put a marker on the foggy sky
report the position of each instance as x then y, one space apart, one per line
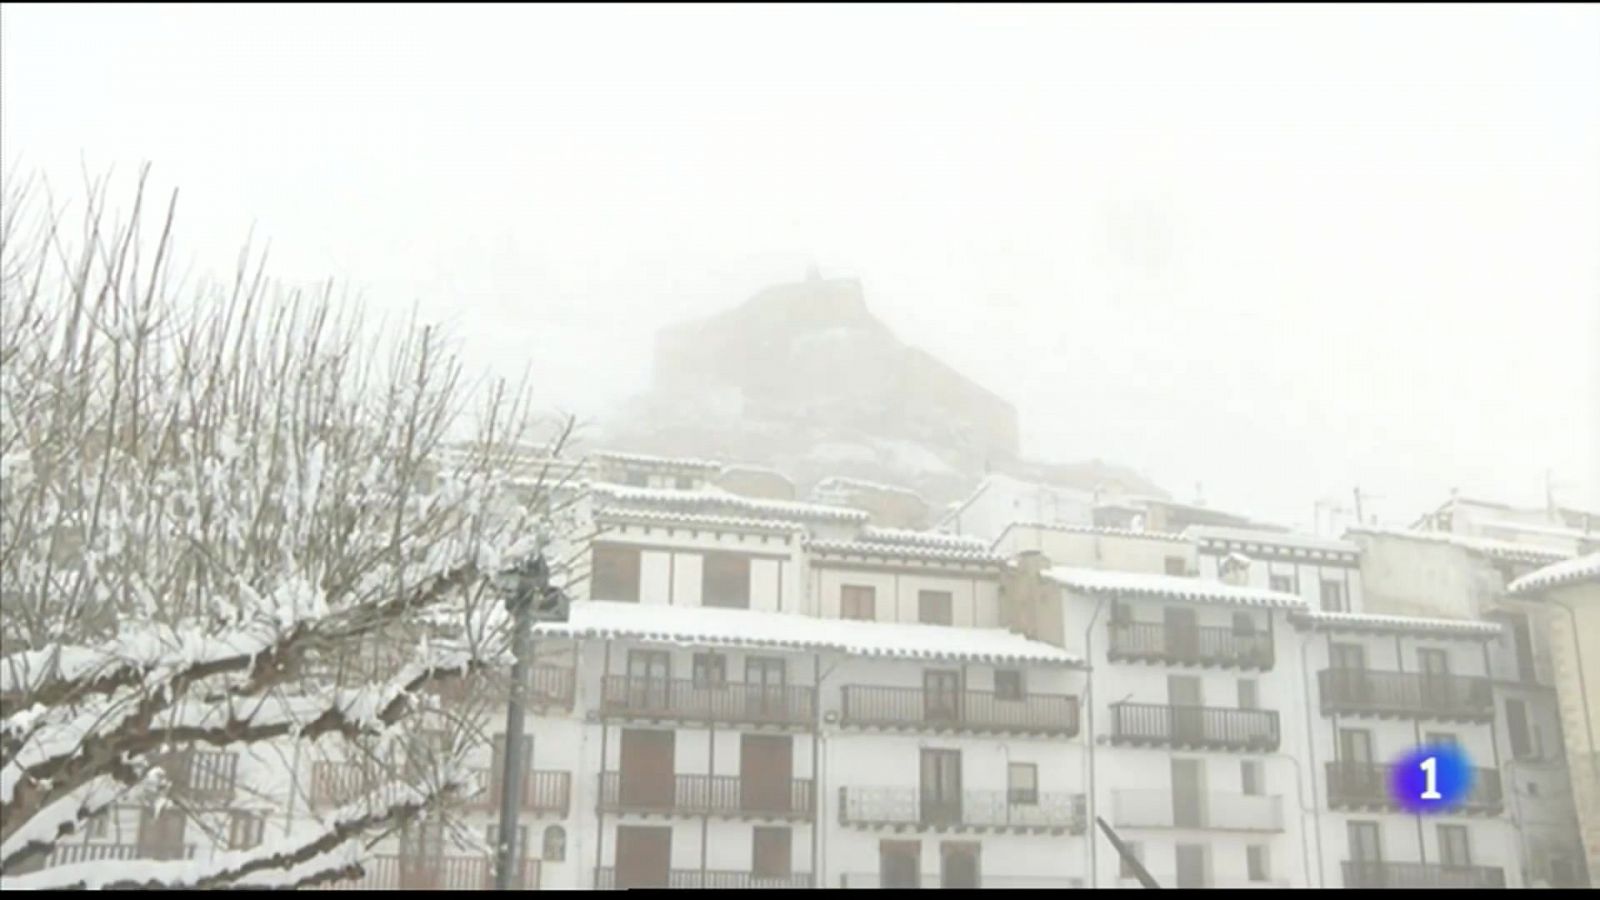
1277 253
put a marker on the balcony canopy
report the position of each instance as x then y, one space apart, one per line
701 626
1371 623
1174 587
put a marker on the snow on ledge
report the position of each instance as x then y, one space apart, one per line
1342 621
701 626
1572 571
719 501
1097 581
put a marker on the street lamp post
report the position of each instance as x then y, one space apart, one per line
529 597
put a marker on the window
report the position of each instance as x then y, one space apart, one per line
684 483
99 825
1022 780
1243 623
638 479
555 844
1454 849
1250 777
1008 684
1523 639
858 602
1256 861
1517 727
771 852
1442 737
1333 596
727 581
244 830
1135 850
615 573
1282 583
1347 656
710 670
933 608
1176 565
1249 697
900 864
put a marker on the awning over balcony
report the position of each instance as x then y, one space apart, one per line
701 626
1175 587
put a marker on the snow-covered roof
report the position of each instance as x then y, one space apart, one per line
1097 581
660 462
1344 621
1167 536
920 552
1229 535
716 500
700 521
1571 571
922 538
702 626
840 481
1485 546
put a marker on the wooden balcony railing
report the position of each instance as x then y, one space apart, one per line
544 791
1364 874
726 796
202 777
1149 808
975 711
605 879
977 811
434 873
64 854
875 880
1366 786
334 784
1200 646
683 700
1204 727
1406 694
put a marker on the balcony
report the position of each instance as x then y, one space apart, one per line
1194 727
683 700
978 712
203 778
1361 692
437 873
1211 812
65 854
337 783
1365 786
720 796
605 879
544 792
909 809
874 880
1362 874
1207 646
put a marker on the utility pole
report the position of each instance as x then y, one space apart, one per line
528 597
1360 519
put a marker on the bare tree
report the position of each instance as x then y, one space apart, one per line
245 522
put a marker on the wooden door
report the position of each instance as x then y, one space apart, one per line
766 772
900 864
1188 797
958 865
644 856
647 768
941 787
772 852
1435 677
1191 860
649 680
1366 854
764 678
941 695
1188 717
1183 633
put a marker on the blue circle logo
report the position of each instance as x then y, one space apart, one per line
1433 778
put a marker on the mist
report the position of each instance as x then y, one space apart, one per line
1260 256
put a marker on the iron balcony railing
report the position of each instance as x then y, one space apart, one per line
1366 785
389 872
1409 694
1203 727
1370 874
1199 646
727 796
684 700
605 879
884 807
546 791
976 711
1210 811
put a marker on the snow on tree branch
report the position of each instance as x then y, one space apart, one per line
233 515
